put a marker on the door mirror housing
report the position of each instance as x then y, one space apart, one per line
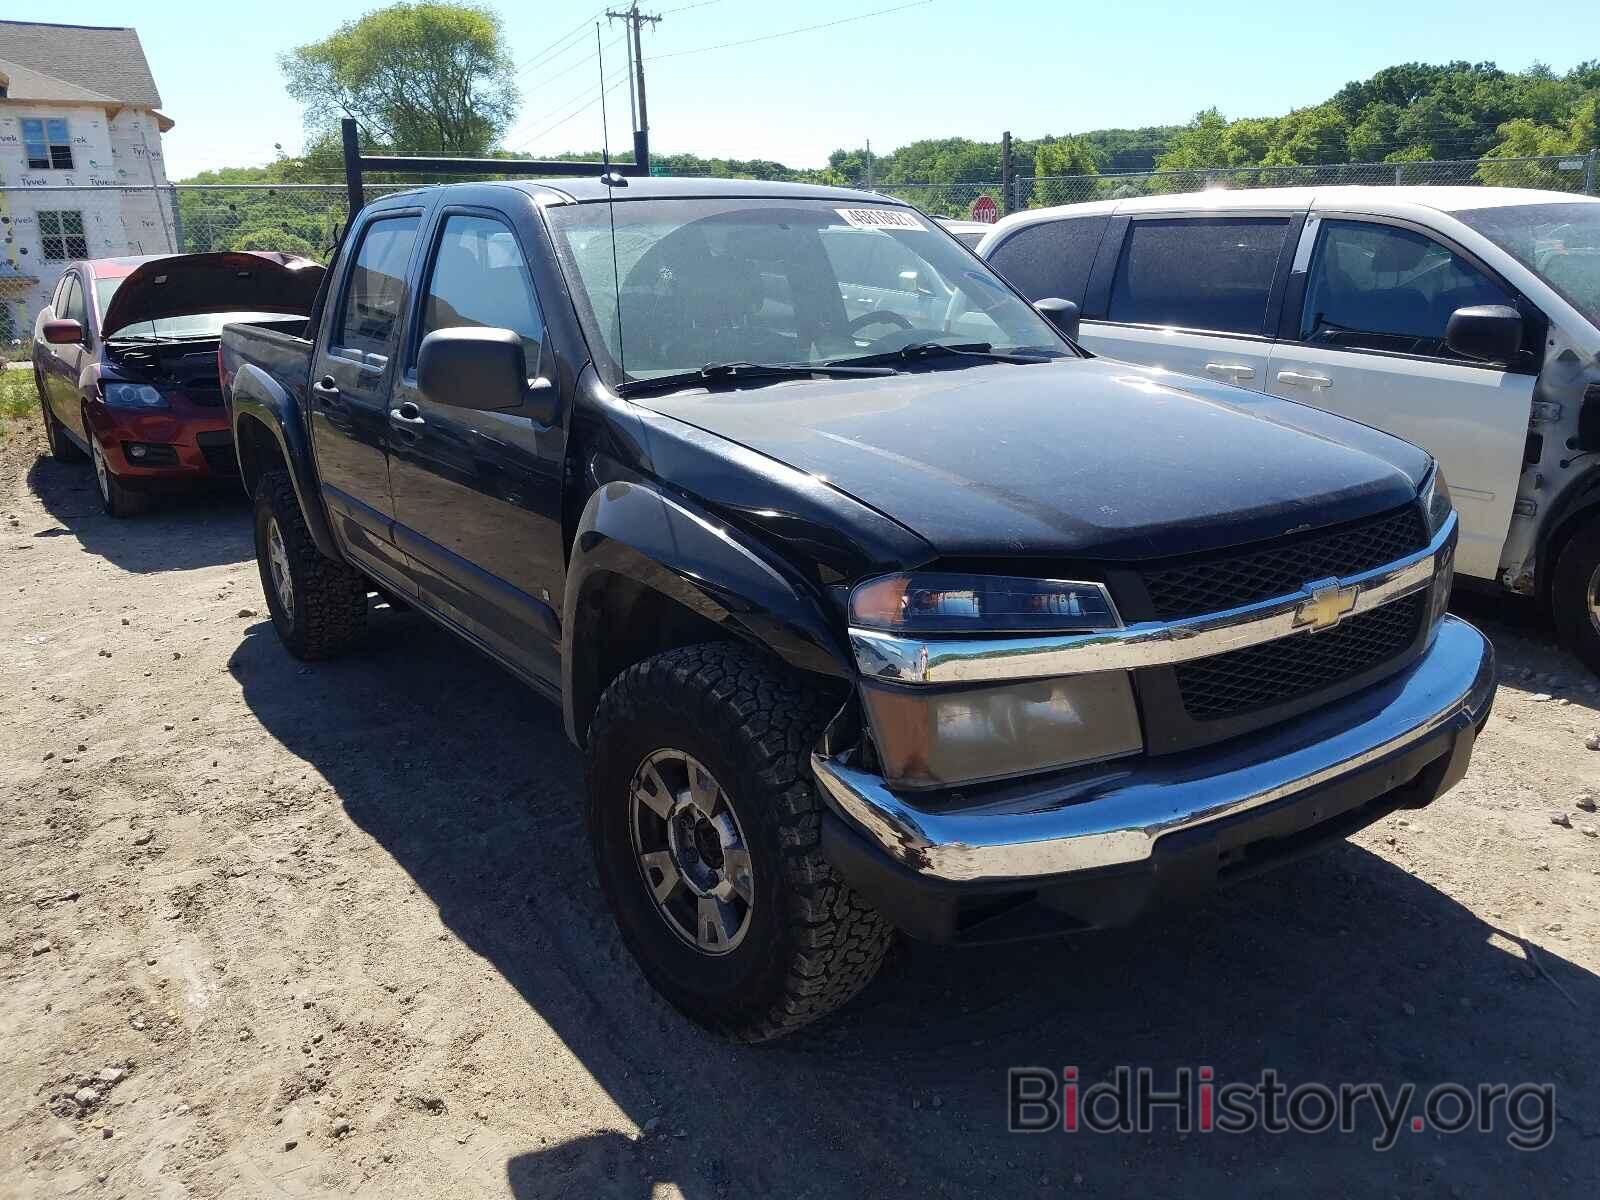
62 332
1063 314
481 368
1486 332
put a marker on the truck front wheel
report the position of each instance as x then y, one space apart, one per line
1575 595
318 606
706 828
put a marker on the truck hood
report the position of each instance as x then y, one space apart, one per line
231 281
1085 458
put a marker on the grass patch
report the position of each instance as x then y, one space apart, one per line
19 402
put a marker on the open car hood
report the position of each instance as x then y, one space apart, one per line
232 281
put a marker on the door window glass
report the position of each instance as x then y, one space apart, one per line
72 304
1380 287
1051 259
376 291
479 278
1212 273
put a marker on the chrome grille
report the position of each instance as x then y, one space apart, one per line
1258 677
1219 582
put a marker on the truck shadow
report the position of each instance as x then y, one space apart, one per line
206 527
1343 968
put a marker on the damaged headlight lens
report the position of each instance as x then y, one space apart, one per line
132 395
939 602
1436 503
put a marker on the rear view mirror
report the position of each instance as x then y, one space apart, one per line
1486 332
1063 314
62 332
475 367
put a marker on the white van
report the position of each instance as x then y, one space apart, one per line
1464 319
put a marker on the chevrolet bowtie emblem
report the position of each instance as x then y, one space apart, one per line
1328 604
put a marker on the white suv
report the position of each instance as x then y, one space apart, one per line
1464 319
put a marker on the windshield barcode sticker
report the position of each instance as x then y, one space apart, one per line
880 218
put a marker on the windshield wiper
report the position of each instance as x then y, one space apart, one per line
733 372
917 351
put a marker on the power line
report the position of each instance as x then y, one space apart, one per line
561 44
768 37
609 86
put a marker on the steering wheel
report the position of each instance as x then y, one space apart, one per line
878 316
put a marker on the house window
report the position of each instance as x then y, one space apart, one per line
45 140
61 235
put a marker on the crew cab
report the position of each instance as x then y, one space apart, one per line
1465 319
125 361
867 617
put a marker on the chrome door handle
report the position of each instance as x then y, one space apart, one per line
1305 379
1234 371
407 414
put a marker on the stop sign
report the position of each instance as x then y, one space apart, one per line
985 209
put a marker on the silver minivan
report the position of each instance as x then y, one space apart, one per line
1465 319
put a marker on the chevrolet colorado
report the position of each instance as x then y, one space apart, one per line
873 601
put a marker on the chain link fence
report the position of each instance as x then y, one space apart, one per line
41 229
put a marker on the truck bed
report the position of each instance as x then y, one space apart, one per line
278 348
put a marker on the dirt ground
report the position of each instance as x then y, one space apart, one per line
280 930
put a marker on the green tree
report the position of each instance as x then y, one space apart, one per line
420 78
1198 145
1311 135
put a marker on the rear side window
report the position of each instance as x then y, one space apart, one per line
1211 273
1380 287
1052 258
376 291
479 278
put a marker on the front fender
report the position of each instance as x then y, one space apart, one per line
255 396
635 532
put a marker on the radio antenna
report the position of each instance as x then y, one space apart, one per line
605 124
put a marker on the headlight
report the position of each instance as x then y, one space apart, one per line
1436 502
132 395
930 738
950 603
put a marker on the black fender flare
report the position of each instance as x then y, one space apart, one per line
633 532
1578 500
256 396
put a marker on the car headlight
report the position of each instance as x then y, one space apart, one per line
132 395
950 603
1436 503
941 737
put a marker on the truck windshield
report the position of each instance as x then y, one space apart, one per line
1558 242
686 283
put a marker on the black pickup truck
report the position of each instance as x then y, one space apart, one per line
874 602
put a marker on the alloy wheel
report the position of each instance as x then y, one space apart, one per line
278 562
102 473
1592 599
691 852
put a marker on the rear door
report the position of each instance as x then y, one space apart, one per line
478 492
1364 337
350 382
1191 292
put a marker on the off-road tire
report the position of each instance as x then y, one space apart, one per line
1571 595
812 943
329 612
62 448
117 499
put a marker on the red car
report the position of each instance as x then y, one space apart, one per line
125 359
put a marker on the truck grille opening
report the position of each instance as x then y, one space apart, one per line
1215 583
1257 677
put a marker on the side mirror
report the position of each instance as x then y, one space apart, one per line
1487 332
61 332
480 368
1063 314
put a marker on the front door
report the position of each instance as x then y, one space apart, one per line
349 390
68 361
477 492
1370 346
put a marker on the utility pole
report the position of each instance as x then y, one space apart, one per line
869 164
1007 176
641 131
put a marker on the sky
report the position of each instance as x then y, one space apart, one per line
938 68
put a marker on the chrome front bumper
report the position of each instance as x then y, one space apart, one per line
1113 816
